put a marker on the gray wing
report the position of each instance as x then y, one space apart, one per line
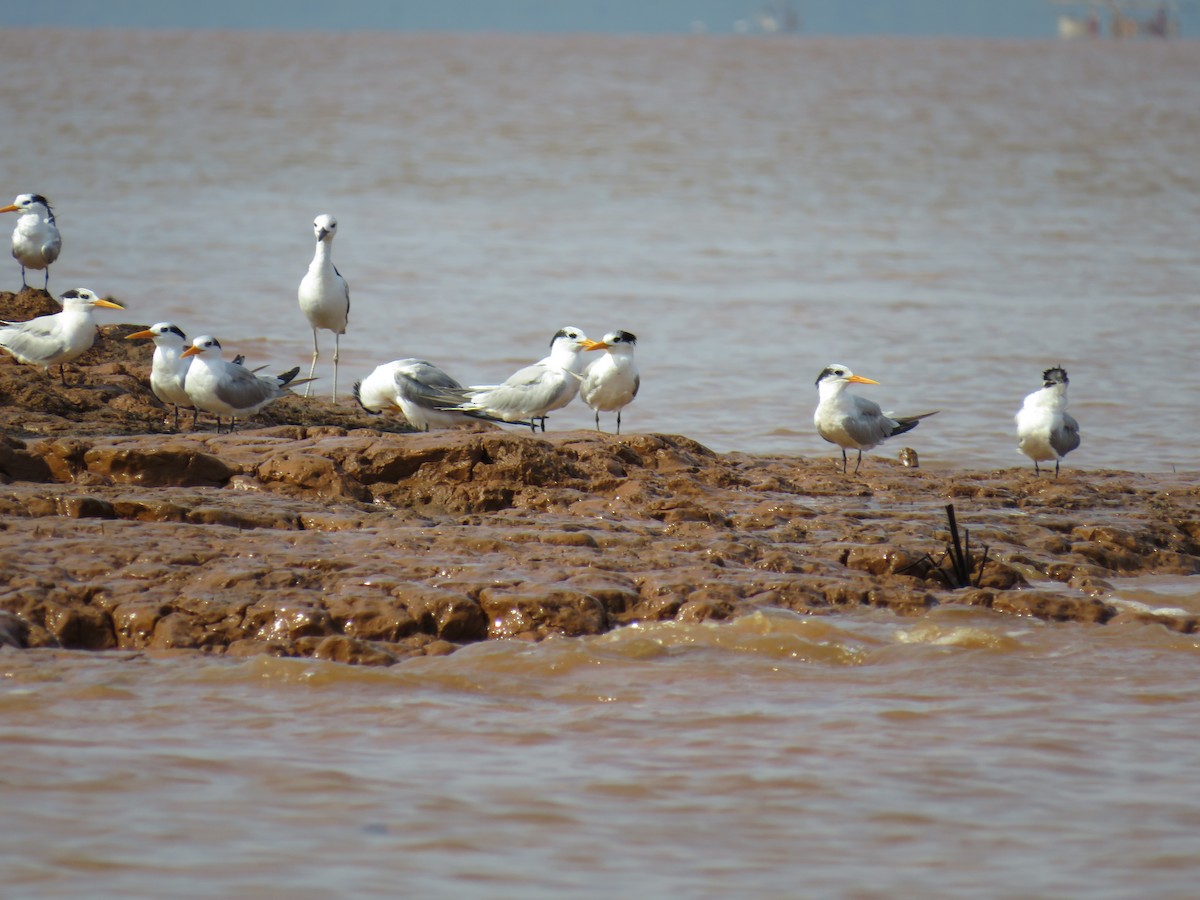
34 340
1065 439
52 248
425 385
242 389
637 383
868 426
531 388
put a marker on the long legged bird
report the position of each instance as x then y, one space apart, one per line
324 295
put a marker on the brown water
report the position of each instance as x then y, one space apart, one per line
948 217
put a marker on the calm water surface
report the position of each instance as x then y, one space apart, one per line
947 217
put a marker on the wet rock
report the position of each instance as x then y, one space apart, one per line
283 620
540 610
339 648
80 627
450 616
312 475
166 465
177 630
14 631
18 464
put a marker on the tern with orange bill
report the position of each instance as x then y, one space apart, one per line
853 422
529 393
228 389
59 338
611 382
35 241
168 368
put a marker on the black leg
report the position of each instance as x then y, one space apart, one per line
843 460
618 421
1036 470
1056 468
597 420
859 463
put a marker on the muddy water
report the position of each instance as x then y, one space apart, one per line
963 754
946 217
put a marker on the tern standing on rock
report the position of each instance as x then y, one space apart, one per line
529 393
169 368
59 338
324 295
612 381
1045 430
35 241
228 389
851 421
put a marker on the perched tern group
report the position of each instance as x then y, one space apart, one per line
195 375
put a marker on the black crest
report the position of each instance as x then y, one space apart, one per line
1056 375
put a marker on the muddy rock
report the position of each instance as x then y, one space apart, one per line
315 530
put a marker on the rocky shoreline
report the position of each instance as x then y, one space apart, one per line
317 530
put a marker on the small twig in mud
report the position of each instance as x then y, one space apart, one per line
960 554
958 551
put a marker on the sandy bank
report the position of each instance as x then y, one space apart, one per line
322 531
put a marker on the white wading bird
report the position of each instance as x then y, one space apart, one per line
853 422
169 368
612 381
59 338
529 393
229 389
1045 430
324 296
420 390
35 241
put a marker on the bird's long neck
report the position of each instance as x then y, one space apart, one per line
323 256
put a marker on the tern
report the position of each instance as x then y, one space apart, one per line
529 393
853 422
612 381
59 338
420 390
229 389
1045 430
169 368
324 295
35 241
